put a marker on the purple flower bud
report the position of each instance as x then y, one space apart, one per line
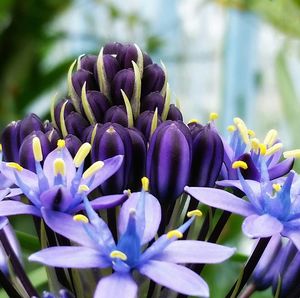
30 124
111 66
10 140
76 124
57 110
98 104
26 155
144 121
53 136
112 48
138 165
124 80
87 62
195 127
80 77
126 55
208 154
153 79
169 160
72 144
116 114
147 59
174 113
152 101
113 139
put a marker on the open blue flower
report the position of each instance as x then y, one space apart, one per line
138 223
272 208
61 183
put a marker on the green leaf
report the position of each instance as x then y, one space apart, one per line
28 241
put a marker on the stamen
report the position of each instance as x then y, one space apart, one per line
81 154
239 164
15 166
194 213
255 144
262 149
292 153
83 188
37 149
0 147
116 254
59 167
61 144
80 217
213 116
231 128
145 183
242 129
271 137
95 167
251 133
193 121
174 233
276 187
274 149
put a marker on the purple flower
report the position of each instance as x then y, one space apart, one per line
272 208
61 183
138 223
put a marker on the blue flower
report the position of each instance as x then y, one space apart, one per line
138 223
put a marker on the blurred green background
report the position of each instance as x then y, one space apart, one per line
237 58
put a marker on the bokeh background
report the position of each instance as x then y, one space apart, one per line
237 58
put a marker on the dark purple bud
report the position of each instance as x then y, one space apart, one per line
208 155
147 59
194 127
82 76
174 113
98 104
112 48
10 140
116 114
57 110
144 122
112 139
251 172
152 101
124 80
169 160
87 62
153 79
111 66
126 55
30 124
53 136
87 133
72 144
76 124
26 156
138 165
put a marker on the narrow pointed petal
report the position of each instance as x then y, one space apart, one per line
147 229
64 224
281 169
191 251
8 208
293 235
175 277
70 257
116 285
254 185
221 199
260 226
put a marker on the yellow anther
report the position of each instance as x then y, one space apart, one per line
0 147
231 128
81 154
127 192
174 233
59 167
213 116
37 149
80 217
193 121
292 153
276 187
255 144
61 143
239 164
15 166
116 254
271 137
251 133
194 213
83 188
274 149
145 183
241 126
262 149
95 167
